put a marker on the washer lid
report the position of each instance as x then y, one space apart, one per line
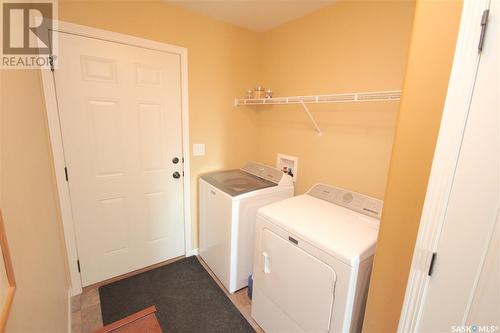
343 233
236 182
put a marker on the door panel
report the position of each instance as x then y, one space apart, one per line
485 306
300 285
120 115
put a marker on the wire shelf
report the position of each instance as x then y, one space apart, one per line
374 96
393 95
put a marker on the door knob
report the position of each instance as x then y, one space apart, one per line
176 175
175 160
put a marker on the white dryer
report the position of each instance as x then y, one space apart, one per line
313 258
228 204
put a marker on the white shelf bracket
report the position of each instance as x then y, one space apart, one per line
306 109
356 97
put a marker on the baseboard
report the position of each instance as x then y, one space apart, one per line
69 311
194 252
75 291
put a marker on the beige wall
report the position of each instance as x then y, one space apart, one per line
29 205
221 64
429 64
221 61
351 46
224 61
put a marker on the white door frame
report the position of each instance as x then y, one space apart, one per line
57 144
455 113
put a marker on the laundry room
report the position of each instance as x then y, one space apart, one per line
239 166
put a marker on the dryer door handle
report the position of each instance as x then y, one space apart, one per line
267 264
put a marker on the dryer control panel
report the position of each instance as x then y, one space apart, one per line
352 200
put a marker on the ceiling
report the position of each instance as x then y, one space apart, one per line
256 15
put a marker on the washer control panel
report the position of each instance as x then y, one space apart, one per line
263 171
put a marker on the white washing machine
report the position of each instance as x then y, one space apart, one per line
228 204
313 259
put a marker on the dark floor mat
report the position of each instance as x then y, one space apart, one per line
186 297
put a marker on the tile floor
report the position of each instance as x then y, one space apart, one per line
86 308
86 311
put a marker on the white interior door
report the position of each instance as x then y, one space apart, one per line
120 116
464 288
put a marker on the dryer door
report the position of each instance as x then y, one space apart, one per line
300 285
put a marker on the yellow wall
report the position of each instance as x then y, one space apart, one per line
29 205
221 59
224 61
351 46
221 65
429 64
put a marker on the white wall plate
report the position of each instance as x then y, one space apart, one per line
288 163
199 149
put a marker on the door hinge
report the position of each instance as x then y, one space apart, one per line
484 25
431 266
66 173
78 264
51 62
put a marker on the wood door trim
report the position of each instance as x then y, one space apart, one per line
127 320
133 273
10 276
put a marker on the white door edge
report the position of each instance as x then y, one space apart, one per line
57 143
456 108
